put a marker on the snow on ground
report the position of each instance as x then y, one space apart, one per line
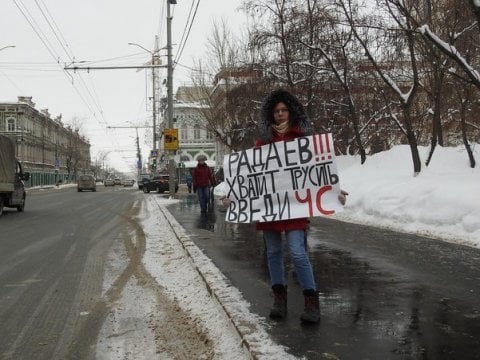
200 289
443 201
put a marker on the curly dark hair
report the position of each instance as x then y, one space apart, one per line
295 109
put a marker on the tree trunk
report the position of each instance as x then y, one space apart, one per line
437 131
471 158
433 145
412 141
354 119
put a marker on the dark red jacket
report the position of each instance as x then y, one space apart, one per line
291 224
202 176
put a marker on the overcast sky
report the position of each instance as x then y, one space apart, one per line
99 30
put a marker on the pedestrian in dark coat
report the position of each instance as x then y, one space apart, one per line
202 181
189 181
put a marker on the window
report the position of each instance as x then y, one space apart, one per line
196 132
184 132
11 124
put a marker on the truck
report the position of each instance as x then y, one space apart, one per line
12 177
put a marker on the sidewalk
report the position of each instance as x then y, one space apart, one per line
191 278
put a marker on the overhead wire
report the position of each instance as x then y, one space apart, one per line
70 55
52 51
41 35
55 24
11 81
55 32
45 42
179 53
48 45
186 23
58 33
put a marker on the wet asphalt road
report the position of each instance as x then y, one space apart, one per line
384 295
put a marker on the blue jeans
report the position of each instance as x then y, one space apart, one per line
298 254
203 196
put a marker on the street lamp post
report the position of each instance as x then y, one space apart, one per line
154 55
6 47
171 182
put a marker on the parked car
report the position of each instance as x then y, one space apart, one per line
117 181
141 178
86 182
159 184
128 182
109 182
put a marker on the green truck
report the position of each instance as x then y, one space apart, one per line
12 188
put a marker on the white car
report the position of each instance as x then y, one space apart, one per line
109 182
128 182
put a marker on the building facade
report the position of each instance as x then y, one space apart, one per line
193 137
50 151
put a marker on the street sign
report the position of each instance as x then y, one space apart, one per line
171 139
153 153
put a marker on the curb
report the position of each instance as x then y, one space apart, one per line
249 326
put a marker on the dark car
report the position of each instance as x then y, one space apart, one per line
159 184
141 179
109 182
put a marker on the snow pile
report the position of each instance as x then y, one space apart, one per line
190 277
442 201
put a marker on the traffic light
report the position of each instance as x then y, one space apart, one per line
154 164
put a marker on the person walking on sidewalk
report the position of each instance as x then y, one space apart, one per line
202 180
283 118
189 181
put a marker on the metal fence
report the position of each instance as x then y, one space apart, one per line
40 177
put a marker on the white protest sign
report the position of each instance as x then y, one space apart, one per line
283 180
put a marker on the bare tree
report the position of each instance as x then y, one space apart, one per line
404 81
460 28
74 152
465 99
337 49
276 33
230 88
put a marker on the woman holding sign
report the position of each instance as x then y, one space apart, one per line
283 118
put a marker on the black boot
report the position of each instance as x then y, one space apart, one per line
311 314
279 308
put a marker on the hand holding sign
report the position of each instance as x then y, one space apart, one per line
342 197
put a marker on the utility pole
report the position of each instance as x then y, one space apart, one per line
153 66
154 93
139 156
171 163
154 106
139 153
